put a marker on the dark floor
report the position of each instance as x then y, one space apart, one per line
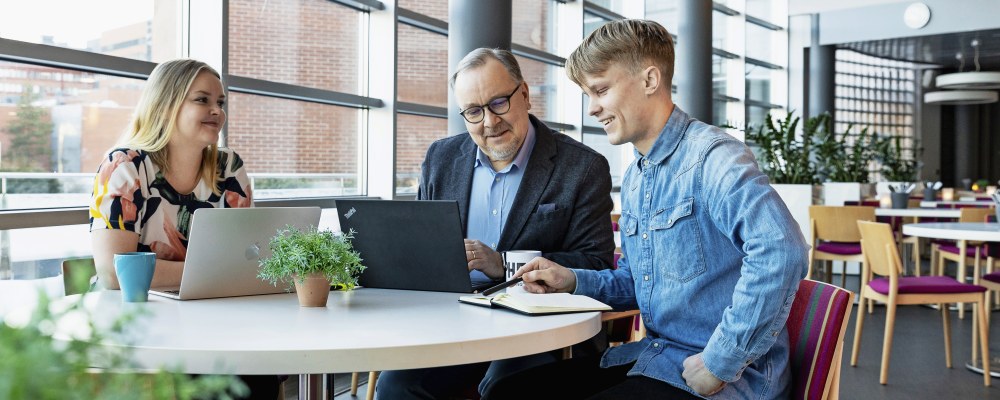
917 365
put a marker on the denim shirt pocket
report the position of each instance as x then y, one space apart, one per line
628 225
677 241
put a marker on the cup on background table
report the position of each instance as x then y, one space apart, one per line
900 200
135 274
514 260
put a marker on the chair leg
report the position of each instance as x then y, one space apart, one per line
857 332
354 384
947 334
984 338
916 256
828 265
890 323
843 274
372 378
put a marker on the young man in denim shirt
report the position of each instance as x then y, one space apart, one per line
712 257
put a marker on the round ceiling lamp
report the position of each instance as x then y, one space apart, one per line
960 97
969 80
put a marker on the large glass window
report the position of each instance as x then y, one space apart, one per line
305 43
432 8
599 142
761 42
414 135
295 148
534 24
664 12
422 76
139 29
542 81
56 125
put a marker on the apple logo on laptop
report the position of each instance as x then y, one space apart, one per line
252 252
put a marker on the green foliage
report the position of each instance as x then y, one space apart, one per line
30 136
784 157
838 160
296 254
896 167
33 365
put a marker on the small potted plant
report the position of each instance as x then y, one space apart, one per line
315 260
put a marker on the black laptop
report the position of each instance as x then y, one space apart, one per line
409 244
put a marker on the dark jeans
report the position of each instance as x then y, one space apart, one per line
582 378
452 382
262 387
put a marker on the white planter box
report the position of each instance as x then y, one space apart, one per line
797 198
836 193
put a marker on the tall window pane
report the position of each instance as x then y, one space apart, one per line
140 29
415 135
542 79
294 148
599 142
534 24
56 125
422 75
305 42
431 8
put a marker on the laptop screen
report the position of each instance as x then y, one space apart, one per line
408 244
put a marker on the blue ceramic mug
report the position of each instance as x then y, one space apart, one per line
135 274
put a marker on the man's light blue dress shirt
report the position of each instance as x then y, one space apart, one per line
492 195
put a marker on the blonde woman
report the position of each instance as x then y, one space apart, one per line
166 166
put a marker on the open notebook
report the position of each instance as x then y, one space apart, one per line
539 304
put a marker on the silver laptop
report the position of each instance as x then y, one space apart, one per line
224 246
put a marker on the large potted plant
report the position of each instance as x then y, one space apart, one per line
314 260
785 156
843 160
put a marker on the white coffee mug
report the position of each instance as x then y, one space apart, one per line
514 260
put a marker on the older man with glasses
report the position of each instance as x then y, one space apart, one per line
519 186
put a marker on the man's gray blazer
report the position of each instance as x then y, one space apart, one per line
562 208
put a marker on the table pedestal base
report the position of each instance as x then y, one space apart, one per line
313 387
978 366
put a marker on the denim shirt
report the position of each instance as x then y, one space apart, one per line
712 259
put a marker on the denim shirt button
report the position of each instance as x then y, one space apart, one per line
645 277
670 221
656 345
644 236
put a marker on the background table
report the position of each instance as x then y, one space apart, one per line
918 213
962 232
361 330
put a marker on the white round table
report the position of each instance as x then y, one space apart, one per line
918 212
361 330
962 232
935 203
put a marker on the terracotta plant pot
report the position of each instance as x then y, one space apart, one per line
313 291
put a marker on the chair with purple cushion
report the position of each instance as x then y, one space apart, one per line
816 326
835 236
974 251
882 259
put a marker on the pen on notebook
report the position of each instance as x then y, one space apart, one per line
504 285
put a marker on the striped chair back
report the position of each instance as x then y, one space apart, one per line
816 326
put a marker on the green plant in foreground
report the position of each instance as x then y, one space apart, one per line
296 254
33 365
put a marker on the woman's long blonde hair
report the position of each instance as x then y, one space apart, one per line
155 117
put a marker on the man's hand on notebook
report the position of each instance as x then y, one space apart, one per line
484 258
544 276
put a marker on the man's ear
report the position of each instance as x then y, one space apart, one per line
527 96
652 79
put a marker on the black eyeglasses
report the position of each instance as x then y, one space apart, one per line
498 106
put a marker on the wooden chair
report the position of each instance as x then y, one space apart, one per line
816 327
835 236
913 241
78 275
882 259
974 251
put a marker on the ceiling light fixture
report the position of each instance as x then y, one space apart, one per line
960 97
970 80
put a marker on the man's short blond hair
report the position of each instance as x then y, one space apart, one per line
632 43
